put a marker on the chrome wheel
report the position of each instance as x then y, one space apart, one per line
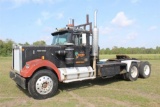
134 72
44 85
146 69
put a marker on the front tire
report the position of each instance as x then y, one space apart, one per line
144 69
43 84
133 73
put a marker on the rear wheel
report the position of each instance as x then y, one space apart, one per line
133 73
144 69
43 84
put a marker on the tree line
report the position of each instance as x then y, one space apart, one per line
6 46
129 50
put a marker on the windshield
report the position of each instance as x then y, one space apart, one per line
61 38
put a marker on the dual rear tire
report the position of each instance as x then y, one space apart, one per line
143 71
133 73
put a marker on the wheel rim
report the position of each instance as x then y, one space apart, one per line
134 72
44 85
146 70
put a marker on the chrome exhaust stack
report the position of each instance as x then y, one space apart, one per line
95 36
70 23
95 42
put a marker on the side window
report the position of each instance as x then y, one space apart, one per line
78 39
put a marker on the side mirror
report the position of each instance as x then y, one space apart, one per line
84 39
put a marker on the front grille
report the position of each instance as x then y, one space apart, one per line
17 58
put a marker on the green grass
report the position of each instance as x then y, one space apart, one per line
112 92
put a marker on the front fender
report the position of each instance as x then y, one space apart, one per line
33 65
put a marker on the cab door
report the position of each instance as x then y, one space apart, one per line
81 50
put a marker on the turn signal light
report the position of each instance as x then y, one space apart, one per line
22 49
42 57
27 66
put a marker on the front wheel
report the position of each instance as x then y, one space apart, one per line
133 73
43 84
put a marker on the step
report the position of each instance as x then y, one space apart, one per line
80 79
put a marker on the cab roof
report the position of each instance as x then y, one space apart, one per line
69 30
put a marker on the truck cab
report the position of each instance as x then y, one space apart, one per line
78 41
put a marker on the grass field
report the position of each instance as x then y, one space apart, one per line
112 92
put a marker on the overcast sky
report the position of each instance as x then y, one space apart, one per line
122 23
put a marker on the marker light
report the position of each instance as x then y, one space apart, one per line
42 57
27 66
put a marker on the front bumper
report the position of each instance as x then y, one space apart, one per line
21 81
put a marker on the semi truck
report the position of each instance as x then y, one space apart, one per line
72 56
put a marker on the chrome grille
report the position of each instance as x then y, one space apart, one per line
17 58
